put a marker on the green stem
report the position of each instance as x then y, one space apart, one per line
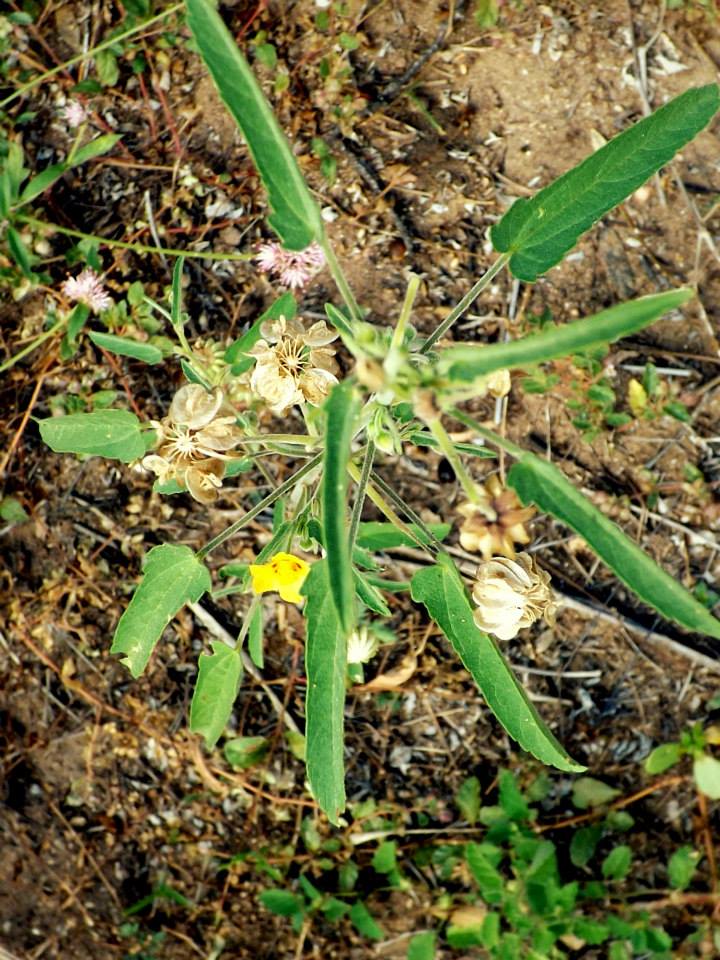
254 604
448 448
76 144
504 444
384 507
89 53
125 245
466 302
258 508
340 279
410 514
410 294
41 338
360 493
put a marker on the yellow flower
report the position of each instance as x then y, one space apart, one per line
284 573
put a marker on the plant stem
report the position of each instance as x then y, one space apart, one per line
89 53
466 302
258 508
384 507
41 338
410 294
340 279
125 245
360 493
254 604
448 448
504 444
411 515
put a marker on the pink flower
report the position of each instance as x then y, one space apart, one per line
294 268
74 114
87 288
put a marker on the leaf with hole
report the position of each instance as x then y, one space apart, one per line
538 232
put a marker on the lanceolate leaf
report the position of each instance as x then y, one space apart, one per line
219 676
342 409
325 666
295 217
172 577
540 231
114 434
50 174
126 347
465 363
441 589
539 482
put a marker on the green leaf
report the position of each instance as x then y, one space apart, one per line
485 872
706 771
236 353
342 408
12 511
281 902
19 252
126 347
295 217
584 843
176 298
662 758
422 946
539 482
107 67
468 362
378 535
441 589
96 148
244 752
370 595
219 675
589 792
682 866
39 184
255 638
364 922
467 800
114 434
385 857
172 577
538 232
616 864
325 665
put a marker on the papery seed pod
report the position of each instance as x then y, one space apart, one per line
495 523
511 595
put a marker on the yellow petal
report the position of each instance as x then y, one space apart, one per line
284 573
264 577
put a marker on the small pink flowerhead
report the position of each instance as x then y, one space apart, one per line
294 268
87 288
74 114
